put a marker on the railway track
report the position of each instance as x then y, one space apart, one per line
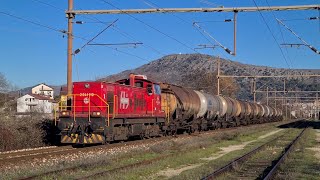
11 155
119 145
261 162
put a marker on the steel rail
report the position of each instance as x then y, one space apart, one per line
230 165
288 150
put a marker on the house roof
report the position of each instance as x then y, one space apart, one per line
37 96
42 84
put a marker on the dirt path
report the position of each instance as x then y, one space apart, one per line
270 133
168 173
228 149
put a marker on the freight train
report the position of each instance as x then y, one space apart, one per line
103 112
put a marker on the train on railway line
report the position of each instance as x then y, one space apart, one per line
103 112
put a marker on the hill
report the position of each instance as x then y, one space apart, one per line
190 69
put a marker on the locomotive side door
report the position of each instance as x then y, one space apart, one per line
157 99
149 96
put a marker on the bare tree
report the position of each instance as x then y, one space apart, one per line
207 82
4 84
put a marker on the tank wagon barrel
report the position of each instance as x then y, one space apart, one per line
210 111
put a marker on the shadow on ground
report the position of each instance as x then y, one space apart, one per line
300 124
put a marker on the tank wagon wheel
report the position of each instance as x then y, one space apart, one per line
142 136
191 130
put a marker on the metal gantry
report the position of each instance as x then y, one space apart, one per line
193 10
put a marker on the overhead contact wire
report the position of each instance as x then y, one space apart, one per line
264 20
148 25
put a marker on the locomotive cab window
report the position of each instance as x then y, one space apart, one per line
157 89
138 84
149 89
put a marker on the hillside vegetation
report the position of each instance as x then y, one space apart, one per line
198 71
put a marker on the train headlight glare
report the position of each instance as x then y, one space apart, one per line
65 113
96 114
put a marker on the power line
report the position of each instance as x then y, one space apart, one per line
295 34
303 19
216 21
78 50
264 20
153 5
223 47
47 4
65 32
34 23
62 10
148 25
127 35
280 32
95 20
284 57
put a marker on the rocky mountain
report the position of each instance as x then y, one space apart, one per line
179 68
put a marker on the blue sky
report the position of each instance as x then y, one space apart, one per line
31 54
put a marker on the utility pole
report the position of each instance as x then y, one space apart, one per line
254 90
284 86
286 109
275 102
70 17
290 109
316 113
267 96
235 32
218 76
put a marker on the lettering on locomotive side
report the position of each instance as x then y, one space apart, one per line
86 94
124 100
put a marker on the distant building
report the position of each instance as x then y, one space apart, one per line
35 103
43 90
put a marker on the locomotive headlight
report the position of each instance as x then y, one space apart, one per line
65 114
96 114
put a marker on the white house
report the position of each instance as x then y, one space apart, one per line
35 103
43 90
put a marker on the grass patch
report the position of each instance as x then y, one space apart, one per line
192 152
302 163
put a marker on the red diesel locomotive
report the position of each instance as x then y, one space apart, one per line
103 112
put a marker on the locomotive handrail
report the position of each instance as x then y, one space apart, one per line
152 106
60 107
115 106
